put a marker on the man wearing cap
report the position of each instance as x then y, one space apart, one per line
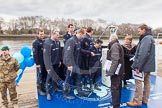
8 73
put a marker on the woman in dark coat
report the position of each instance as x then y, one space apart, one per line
129 52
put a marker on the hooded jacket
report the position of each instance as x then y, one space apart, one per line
145 53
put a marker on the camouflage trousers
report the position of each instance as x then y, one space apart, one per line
11 86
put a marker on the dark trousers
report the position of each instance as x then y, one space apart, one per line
49 80
41 75
94 76
73 76
68 77
116 85
84 65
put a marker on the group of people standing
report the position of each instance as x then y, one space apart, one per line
81 56
143 55
78 63
47 57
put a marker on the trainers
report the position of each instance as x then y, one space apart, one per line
133 103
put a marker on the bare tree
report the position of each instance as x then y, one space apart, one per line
1 22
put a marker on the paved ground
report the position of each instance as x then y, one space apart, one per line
27 89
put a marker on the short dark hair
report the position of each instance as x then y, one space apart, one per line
40 30
70 25
89 29
143 26
99 41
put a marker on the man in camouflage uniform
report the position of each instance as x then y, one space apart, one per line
8 73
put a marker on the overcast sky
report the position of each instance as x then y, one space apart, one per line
118 11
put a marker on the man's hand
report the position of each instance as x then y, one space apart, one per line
59 64
48 71
70 68
92 54
37 65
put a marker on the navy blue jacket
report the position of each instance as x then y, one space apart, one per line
55 52
66 36
52 53
37 48
97 57
87 42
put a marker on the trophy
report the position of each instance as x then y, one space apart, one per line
113 30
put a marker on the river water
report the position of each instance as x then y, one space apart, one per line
16 44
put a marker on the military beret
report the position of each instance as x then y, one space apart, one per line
4 48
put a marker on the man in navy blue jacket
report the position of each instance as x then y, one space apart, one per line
71 59
52 59
69 33
86 43
37 48
95 64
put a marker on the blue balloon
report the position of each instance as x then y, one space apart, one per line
22 65
29 61
19 57
25 51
